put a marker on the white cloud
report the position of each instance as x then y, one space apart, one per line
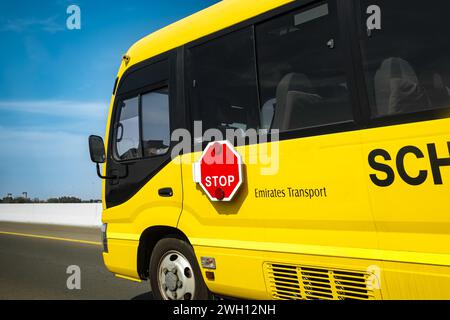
42 144
20 25
66 108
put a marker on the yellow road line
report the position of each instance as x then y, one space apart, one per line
50 238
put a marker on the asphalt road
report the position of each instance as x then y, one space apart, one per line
32 267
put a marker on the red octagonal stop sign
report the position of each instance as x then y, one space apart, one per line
219 171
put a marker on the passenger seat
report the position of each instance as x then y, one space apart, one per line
294 94
397 88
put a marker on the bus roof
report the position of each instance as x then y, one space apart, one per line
217 17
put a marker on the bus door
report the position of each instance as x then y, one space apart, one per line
148 190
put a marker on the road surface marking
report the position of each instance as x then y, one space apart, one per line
50 238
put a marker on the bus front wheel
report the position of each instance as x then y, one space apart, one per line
174 272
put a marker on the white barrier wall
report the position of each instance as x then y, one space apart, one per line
80 214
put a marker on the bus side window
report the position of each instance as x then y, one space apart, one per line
406 55
127 130
302 81
223 91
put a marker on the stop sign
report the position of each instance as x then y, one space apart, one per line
219 171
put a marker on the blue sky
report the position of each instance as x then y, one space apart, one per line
55 86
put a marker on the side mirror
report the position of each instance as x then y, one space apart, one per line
97 149
98 155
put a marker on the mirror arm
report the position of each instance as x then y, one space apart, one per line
99 173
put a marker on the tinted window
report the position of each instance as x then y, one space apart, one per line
155 122
223 82
152 110
127 130
300 67
406 55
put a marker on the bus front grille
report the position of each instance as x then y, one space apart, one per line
291 282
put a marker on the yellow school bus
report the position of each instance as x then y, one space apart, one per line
350 102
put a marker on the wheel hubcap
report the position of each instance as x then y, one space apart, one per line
176 277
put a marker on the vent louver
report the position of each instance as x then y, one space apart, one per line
290 282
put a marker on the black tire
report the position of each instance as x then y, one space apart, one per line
168 248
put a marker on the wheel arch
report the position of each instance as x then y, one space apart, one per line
149 238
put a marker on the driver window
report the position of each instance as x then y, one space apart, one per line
127 130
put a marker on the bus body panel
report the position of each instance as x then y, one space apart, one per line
121 257
402 225
289 223
408 281
412 218
127 222
238 274
241 273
